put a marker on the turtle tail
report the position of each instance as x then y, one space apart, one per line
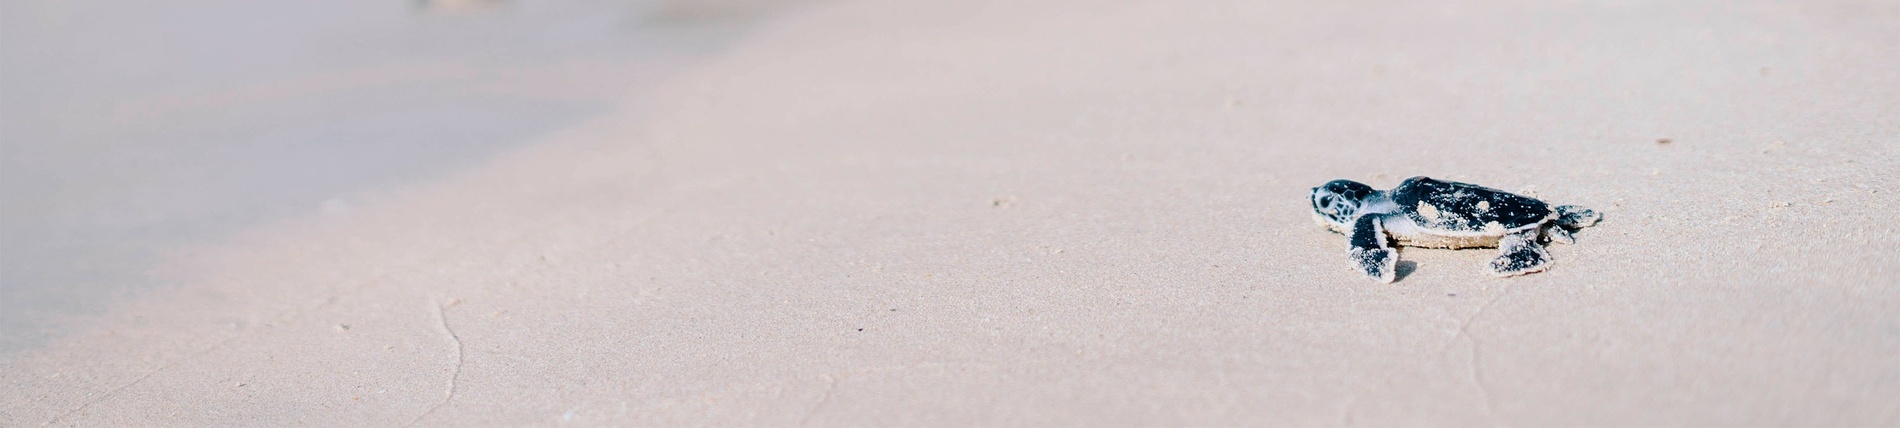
1576 217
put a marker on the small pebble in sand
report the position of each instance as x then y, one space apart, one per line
1664 141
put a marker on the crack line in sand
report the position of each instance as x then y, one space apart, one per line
280 319
1346 411
822 401
1477 378
299 312
142 378
1350 407
455 371
1477 373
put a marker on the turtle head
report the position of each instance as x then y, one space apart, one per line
1338 202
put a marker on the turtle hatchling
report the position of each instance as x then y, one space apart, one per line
1423 212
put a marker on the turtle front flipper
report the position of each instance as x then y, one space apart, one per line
1370 252
1521 255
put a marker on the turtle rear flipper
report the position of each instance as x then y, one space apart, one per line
1575 217
1559 234
1520 255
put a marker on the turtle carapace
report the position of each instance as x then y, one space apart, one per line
1422 212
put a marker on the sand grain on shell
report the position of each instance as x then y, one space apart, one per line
1428 211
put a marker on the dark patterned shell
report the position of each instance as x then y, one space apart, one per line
1459 207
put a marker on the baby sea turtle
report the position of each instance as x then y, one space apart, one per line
1423 212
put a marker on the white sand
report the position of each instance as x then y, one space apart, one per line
1071 213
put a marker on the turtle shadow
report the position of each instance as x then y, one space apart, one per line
1403 269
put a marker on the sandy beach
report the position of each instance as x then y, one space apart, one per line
1079 213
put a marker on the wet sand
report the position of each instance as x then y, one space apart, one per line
133 131
912 213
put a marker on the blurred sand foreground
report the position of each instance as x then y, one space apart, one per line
1076 213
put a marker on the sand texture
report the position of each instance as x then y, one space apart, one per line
1074 212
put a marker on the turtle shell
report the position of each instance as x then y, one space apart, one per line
1466 208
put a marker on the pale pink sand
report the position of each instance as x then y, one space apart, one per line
963 213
